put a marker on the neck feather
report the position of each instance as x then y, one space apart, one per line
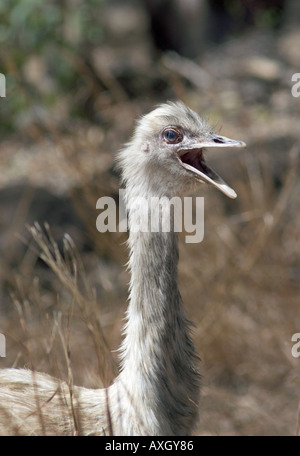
158 357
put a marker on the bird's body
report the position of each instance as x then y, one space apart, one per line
157 390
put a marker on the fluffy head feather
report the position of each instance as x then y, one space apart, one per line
165 156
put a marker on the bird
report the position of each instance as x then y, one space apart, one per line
157 389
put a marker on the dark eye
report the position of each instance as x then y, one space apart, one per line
172 136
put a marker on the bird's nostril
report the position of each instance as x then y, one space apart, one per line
218 140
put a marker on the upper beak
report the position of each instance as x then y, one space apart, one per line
221 141
193 160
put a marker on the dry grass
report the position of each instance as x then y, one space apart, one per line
249 287
240 285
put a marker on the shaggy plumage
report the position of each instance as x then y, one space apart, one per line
157 390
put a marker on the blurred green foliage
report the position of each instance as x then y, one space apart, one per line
31 24
51 32
46 49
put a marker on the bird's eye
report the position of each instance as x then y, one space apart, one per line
172 136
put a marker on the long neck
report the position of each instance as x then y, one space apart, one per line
158 357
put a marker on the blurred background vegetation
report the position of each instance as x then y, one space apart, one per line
78 74
47 48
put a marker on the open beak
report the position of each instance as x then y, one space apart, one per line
192 159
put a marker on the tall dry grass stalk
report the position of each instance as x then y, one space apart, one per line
60 394
69 269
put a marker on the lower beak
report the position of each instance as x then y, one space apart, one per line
193 160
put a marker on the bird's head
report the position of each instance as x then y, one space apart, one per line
167 152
